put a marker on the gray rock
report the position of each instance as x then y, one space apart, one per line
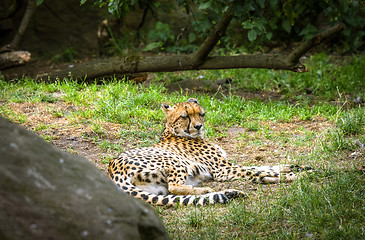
49 194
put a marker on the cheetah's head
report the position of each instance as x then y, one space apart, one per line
185 119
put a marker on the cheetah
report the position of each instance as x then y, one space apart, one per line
170 172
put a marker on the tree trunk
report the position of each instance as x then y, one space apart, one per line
216 33
31 7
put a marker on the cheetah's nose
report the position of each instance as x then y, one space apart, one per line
198 126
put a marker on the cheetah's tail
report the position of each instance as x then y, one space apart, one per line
185 200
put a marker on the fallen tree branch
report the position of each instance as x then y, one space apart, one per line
13 58
135 64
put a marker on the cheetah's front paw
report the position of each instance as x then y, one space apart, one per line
294 168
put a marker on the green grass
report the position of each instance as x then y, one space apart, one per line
8 113
352 122
331 210
125 103
327 204
300 211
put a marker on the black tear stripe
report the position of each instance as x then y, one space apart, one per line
188 130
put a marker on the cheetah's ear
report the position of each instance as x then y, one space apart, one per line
193 100
165 107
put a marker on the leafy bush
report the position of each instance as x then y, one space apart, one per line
256 21
163 39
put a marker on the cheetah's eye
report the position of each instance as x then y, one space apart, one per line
202 114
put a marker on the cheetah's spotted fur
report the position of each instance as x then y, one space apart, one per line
170 171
